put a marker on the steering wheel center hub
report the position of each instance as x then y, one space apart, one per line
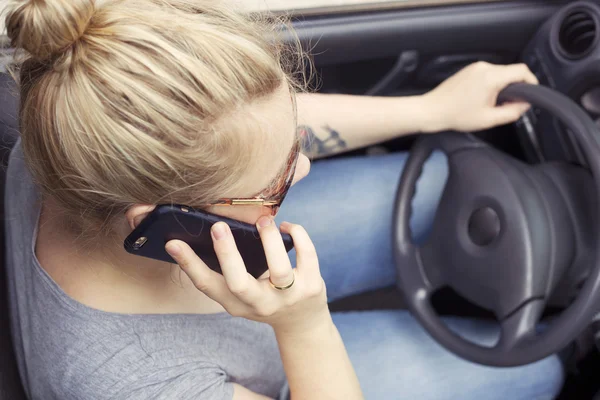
484 226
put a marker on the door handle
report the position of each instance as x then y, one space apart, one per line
405 65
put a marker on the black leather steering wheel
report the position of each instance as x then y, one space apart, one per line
503 236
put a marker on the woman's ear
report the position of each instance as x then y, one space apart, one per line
136 214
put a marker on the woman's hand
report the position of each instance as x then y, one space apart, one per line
467 101
314 357
300 308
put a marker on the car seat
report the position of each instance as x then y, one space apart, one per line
10 382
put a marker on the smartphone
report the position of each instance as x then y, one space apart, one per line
168 222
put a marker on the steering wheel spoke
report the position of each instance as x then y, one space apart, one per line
430 268
520 326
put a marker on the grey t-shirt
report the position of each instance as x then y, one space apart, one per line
66 350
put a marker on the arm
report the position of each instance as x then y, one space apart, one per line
466 102
314 357
316 364
241 393
332 124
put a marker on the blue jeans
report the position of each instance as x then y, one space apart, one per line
346 207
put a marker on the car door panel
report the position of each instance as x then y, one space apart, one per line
353 52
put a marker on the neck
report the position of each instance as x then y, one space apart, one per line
102 275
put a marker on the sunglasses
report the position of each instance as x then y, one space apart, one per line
275 194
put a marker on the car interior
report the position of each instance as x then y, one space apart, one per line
397 48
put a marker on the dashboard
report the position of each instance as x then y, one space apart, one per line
564 54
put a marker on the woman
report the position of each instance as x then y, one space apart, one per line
132 103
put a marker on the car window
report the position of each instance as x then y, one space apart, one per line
336 6
259 5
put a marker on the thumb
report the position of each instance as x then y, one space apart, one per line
508 112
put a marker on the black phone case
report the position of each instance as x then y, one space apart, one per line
192 226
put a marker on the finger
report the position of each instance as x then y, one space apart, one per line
307 260
264 276
515 73
280 267
204 279
237 278
509 112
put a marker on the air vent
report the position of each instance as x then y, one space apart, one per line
577 34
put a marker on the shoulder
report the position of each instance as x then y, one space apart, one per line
132 374
112 360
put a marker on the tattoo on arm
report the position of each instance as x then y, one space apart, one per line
319 147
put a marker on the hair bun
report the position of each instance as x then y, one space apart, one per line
44 28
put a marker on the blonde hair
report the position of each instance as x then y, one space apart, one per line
133 101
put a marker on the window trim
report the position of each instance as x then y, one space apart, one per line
367 7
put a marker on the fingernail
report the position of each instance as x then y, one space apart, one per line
219 231
263 221
173 249
284 225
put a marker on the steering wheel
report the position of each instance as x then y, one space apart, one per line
504 234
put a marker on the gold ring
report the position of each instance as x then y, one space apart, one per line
286 287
